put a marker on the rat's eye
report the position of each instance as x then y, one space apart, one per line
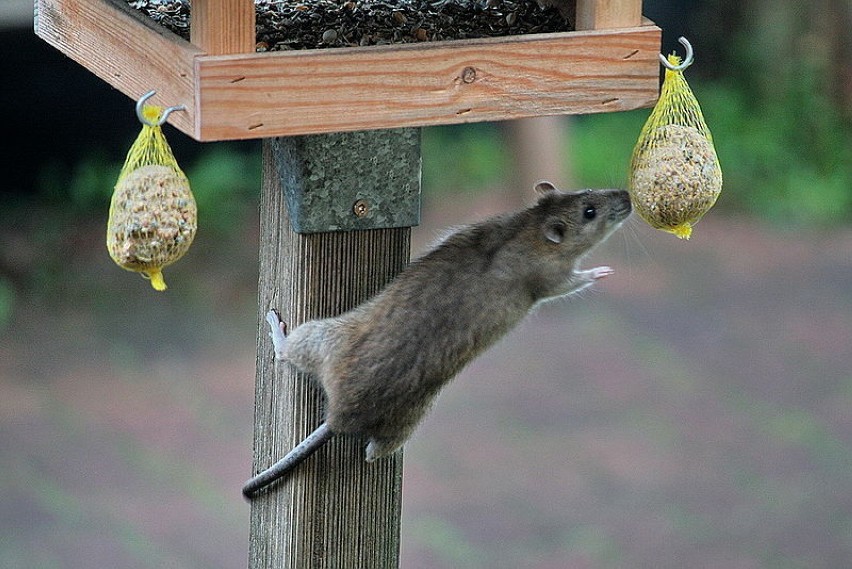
589 212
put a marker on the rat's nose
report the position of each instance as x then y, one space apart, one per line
621 206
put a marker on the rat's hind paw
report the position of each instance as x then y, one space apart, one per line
278 333
378 448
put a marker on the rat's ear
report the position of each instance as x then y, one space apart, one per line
554 230
544 187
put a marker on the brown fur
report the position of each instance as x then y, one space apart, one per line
382 363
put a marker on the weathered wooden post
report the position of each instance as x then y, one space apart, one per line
356 195
350 198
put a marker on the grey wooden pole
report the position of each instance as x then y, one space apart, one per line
335 511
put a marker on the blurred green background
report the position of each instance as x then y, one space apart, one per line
693 411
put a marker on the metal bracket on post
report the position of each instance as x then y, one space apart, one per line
328 187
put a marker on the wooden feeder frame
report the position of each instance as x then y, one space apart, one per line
232 92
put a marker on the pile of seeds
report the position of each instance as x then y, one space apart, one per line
314 24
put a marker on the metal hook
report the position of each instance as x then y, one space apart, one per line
140 106
687 61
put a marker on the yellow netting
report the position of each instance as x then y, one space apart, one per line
152 215
675 176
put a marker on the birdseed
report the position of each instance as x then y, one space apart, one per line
153 219
315 24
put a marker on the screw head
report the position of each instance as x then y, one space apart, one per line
361 208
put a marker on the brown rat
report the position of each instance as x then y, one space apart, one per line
382 363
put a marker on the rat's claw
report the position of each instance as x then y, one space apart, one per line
598 273
273 320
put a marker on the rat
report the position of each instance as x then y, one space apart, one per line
382 364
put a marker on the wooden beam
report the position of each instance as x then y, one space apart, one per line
125 49
346 89
221 27
602 14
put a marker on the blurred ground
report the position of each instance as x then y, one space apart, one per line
694 410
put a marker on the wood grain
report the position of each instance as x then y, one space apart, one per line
602 14
335 511
223 26
346 89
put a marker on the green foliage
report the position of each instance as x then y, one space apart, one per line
788 160
73 202
783 137
7 302
464 158
226 184
600 147
82 190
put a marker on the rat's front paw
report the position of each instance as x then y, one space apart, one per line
598 273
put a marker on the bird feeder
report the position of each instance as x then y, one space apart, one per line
232 92
340 191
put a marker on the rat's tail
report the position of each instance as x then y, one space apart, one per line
302 451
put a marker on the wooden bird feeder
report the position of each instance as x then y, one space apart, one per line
232 92
337 205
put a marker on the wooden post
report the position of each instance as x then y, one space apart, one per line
603 14
335 511
222 27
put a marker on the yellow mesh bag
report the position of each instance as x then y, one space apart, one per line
152 214
675 176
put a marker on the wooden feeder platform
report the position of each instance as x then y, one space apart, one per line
233 92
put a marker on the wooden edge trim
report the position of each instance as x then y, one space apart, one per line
125 49
344 89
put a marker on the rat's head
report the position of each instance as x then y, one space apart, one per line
573 223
